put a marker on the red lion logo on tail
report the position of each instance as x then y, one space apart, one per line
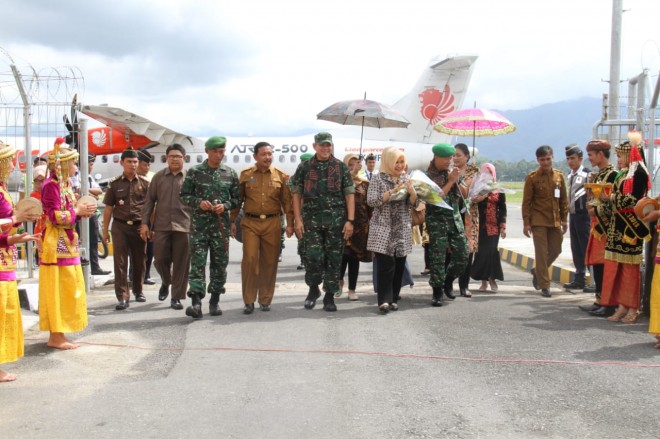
436 104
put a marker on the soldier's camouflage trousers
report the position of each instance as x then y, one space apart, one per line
323 247
201 243
443 234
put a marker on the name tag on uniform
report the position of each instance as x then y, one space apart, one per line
253 179
557 193
578 180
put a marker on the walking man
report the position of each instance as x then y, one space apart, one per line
444 226
544 212
263 195
211 191
579 220
124 201
170 226
324 211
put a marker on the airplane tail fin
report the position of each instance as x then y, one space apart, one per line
440 90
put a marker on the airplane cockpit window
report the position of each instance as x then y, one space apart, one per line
200 159
104 158
187 158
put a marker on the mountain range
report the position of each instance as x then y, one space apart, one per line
558 124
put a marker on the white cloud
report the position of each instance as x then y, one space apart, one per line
263 67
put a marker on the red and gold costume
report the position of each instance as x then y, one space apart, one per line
62 299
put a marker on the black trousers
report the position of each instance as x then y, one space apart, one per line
464 278
390 273
353 264
579 225
94 243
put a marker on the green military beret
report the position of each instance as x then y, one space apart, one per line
215 142
443 150
306 156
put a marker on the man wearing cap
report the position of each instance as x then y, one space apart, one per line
600 209
578 216
444 226
264 193
544 212
168 218
301 241
95 191
211 191
123 201
324 211
145 158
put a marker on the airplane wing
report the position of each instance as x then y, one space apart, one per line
131 124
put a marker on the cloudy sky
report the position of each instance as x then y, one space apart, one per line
267 67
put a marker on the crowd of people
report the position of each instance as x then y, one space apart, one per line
341 215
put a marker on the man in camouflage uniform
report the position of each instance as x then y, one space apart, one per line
211 190
545 216
324 209
445 226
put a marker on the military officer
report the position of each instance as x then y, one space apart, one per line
324 209
263 195
123 201
444 226
211 191
545 214
579 221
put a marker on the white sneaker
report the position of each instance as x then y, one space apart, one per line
341 289
352 295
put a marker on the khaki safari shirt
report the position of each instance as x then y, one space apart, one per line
264 193
545 203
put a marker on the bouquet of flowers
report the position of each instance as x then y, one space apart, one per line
483 184
427 190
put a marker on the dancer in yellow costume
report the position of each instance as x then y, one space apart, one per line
62 300
654 322
11 325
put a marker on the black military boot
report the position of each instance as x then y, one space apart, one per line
195 310
449 288
310 300
329 302
437 297
214 305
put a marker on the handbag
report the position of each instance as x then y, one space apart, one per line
418 214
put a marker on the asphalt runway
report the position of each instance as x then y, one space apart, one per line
510 364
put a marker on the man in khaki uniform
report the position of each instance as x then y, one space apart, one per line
264 194
545 215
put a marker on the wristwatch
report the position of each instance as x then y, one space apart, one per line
350 221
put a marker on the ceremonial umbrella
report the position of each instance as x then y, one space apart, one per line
474 122
363 113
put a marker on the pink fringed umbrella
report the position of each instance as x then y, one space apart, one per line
474 122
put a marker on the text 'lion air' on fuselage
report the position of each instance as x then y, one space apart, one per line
440 90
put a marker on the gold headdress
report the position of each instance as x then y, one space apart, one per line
56 157
7 153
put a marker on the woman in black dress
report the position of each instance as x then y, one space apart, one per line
487 266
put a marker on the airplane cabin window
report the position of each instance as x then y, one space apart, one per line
187 158
104 159
200 159
115 159
282 159
293 159
163 159
236 159
247 159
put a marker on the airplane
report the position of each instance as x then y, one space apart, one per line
440 89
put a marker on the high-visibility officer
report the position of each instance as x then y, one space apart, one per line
264 194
